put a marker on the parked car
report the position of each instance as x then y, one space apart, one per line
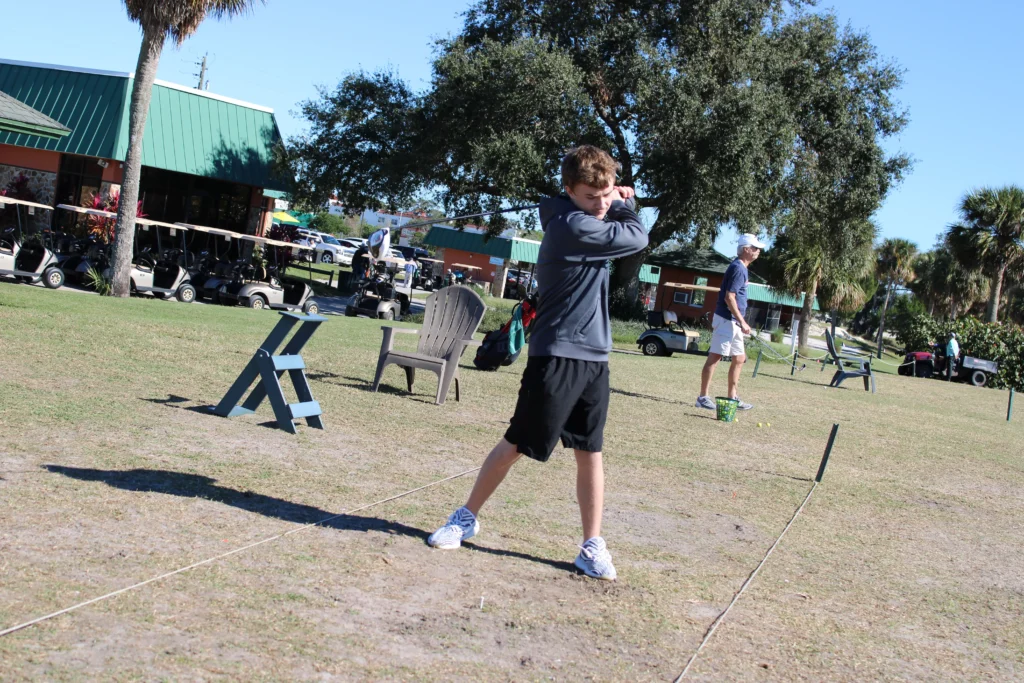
354 242
326 248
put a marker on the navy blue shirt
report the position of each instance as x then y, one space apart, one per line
735 281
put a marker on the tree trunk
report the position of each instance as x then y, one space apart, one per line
993 297
805 313
881 320
127 210
625 280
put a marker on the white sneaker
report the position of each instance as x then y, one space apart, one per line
742 405
461 526
706 402
595 561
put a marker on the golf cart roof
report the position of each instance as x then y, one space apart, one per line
392 259
145 223
279 243
22 202
462 265
430 260
90 212
203 228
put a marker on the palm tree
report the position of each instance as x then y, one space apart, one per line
895 267
823 262
989 236
159 19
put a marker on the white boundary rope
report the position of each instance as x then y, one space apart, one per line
19 627
721 617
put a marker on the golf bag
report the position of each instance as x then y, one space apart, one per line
503 346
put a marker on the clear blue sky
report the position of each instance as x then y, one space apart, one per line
962 83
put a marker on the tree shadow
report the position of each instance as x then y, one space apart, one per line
198 486
171 399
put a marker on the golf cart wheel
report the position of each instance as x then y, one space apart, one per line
388 315
654 347
186 294
979 378
310 308
257 303
53 278
326 257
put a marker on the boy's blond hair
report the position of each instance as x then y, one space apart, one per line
588 165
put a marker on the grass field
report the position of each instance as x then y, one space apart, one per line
906 564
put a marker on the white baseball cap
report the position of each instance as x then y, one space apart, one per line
750 240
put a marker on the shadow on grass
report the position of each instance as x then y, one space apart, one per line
784 476
197 486
385 388
794 379
659 399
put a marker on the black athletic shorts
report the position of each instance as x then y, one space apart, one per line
560 398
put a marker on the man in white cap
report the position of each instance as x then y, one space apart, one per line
728 326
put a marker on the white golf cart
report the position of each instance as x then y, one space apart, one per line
269 288
28 260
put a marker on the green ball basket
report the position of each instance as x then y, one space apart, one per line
726 408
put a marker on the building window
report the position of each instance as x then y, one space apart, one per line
78 181
699 294
380 220
681 298
394 221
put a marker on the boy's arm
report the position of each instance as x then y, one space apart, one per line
620 234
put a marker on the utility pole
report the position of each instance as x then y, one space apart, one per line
203 83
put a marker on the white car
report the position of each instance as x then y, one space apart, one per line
327 248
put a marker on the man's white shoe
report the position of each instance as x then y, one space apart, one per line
595 561
706 402
461 526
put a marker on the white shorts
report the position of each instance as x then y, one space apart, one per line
726 337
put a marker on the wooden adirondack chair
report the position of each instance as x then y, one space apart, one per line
452 316
845 365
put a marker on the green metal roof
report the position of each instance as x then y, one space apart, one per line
768 295
650 274
90 104
18 117
515 249
187 131
697 260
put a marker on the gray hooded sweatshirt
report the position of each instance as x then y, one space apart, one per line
572 276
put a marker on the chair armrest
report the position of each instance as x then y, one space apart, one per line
388 342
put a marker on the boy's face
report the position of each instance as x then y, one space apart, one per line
593 200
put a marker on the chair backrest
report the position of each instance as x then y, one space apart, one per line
451 314
831 345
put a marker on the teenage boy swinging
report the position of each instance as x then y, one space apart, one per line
564 392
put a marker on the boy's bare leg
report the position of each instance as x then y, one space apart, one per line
708 372
495 467
734 375
590 491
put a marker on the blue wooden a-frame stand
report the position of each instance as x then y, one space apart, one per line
269 368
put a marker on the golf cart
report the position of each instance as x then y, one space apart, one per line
425 278
379 296
165 272
267 287
933 363
27 260
664 336
89 252
213 268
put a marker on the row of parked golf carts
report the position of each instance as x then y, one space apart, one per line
165 260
